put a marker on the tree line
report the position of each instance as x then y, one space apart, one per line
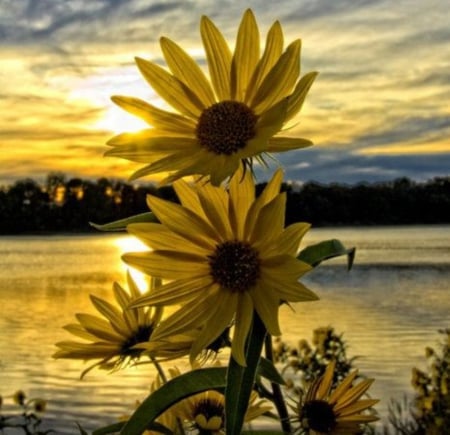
68 205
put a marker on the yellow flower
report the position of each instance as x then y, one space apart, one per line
227 254
111 338
324 412
206 411
179 345
251 98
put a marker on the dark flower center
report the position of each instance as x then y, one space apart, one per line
142 335
235 266
225 127
318 415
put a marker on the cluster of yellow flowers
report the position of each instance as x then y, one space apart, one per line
223 255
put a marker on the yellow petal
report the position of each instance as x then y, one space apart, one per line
288 291
279 144
243 321
280 80
187 194
129 316
284 265
217 318
357 407
269 223
245 56
272 52
266 303
175 292
218 56
187 71
214 201
298 96
77 330
269 124
146 150
203 163
158 237
342 388
98 327
326 382
353 394
113 314
156 117
190 316
74 350
271 190
167 264
170 88
179 161
242 196
183 222
291 237
221 167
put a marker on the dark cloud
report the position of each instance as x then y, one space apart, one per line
412 129
333 166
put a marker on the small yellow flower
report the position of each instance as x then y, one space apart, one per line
326 412
251 98
206 411
111 339
227 254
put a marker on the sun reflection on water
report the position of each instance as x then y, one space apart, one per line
132 244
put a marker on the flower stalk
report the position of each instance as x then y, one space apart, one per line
240 380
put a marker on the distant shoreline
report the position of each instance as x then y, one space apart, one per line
314 227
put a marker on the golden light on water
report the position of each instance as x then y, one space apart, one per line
132 244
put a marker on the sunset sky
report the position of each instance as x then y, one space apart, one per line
380 108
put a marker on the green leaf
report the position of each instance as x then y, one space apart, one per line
262 432
116 427
315 254
113 428
121 224
267 370
175 390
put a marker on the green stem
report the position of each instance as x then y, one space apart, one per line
278 398
240 379
159 370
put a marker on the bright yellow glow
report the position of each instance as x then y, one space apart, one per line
116 121
131 244
428 148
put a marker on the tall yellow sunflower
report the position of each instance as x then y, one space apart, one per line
338 412
227 254
219 124
111 339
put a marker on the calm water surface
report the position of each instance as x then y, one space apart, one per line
388 307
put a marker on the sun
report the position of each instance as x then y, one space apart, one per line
115 121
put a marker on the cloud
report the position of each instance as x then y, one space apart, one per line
331 166
379 105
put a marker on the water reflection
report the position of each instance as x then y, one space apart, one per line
389 308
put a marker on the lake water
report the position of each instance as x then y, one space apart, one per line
389 307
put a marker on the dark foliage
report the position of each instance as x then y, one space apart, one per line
69 205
